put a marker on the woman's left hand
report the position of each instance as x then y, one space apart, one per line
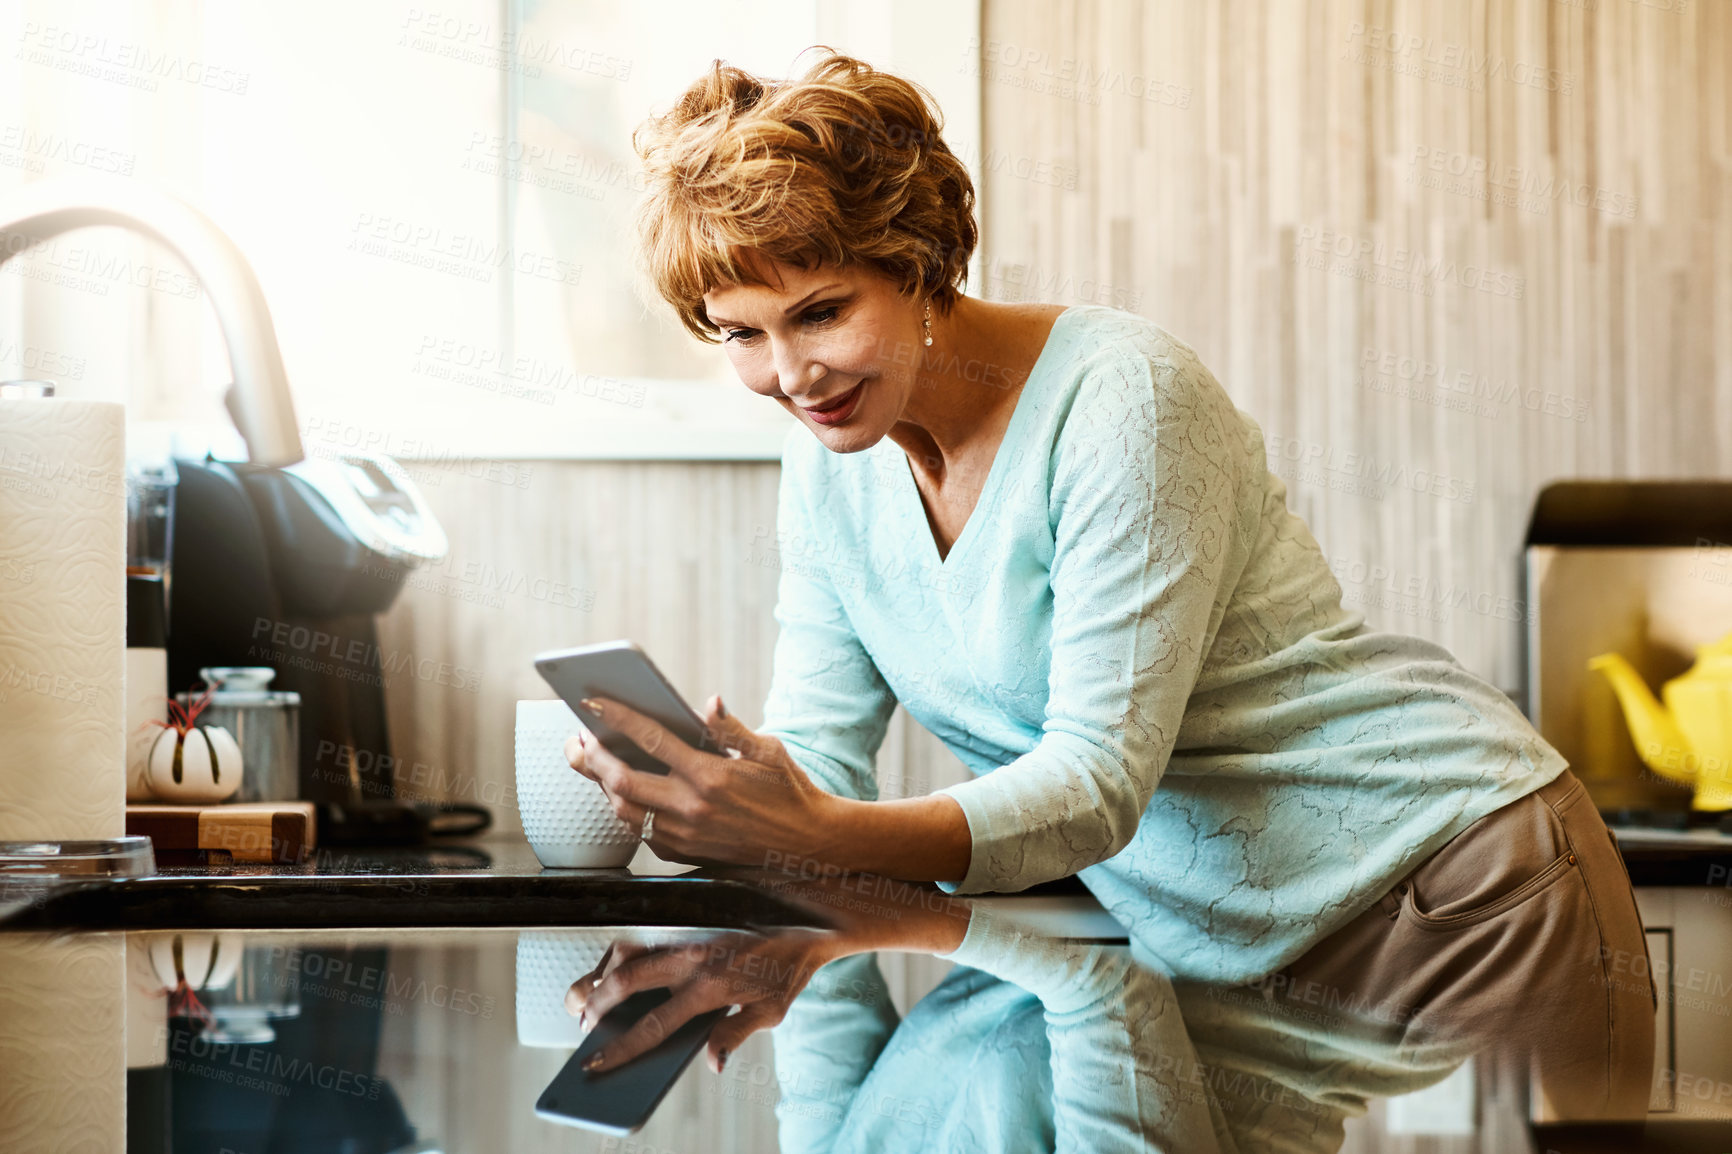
709 809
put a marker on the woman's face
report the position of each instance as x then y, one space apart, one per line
814 337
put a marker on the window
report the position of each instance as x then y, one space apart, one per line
436 200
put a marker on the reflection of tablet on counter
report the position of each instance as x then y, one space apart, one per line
621 1099
622 671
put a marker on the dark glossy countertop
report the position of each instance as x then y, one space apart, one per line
496 881
479 883
412 1000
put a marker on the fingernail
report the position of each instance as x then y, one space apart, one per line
722 1060
721 710
593 1062
592 705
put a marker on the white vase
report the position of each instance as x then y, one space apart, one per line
204 778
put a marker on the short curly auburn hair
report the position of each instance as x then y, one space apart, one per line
843 165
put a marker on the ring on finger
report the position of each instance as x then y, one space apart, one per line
647 830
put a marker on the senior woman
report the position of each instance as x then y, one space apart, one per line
1051 536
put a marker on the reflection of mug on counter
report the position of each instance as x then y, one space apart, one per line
548 961
566 817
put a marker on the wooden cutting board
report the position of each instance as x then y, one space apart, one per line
263 831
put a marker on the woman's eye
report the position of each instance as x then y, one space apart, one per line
741 335
822 316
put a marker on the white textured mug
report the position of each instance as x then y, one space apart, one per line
566 817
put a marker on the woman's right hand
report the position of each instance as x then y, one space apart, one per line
743 808
760 974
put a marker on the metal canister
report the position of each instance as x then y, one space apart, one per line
265 724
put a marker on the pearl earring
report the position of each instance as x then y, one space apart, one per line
928 324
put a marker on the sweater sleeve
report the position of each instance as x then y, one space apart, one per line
827 702
1146 471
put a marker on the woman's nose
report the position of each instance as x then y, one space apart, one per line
796 372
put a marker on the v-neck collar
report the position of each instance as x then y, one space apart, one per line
989 490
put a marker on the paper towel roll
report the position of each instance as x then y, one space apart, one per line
62 619
63 1048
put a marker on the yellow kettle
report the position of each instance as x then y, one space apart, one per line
1689 738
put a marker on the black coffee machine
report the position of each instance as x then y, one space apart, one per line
288 568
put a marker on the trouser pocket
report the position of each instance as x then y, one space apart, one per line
1475 913
1497 863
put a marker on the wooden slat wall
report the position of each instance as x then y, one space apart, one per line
1203 146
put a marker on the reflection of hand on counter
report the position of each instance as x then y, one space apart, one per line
761 973
821 990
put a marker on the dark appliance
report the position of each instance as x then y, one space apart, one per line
289 568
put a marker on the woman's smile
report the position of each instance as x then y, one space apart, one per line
838 410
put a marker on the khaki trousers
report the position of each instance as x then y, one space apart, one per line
1517 937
